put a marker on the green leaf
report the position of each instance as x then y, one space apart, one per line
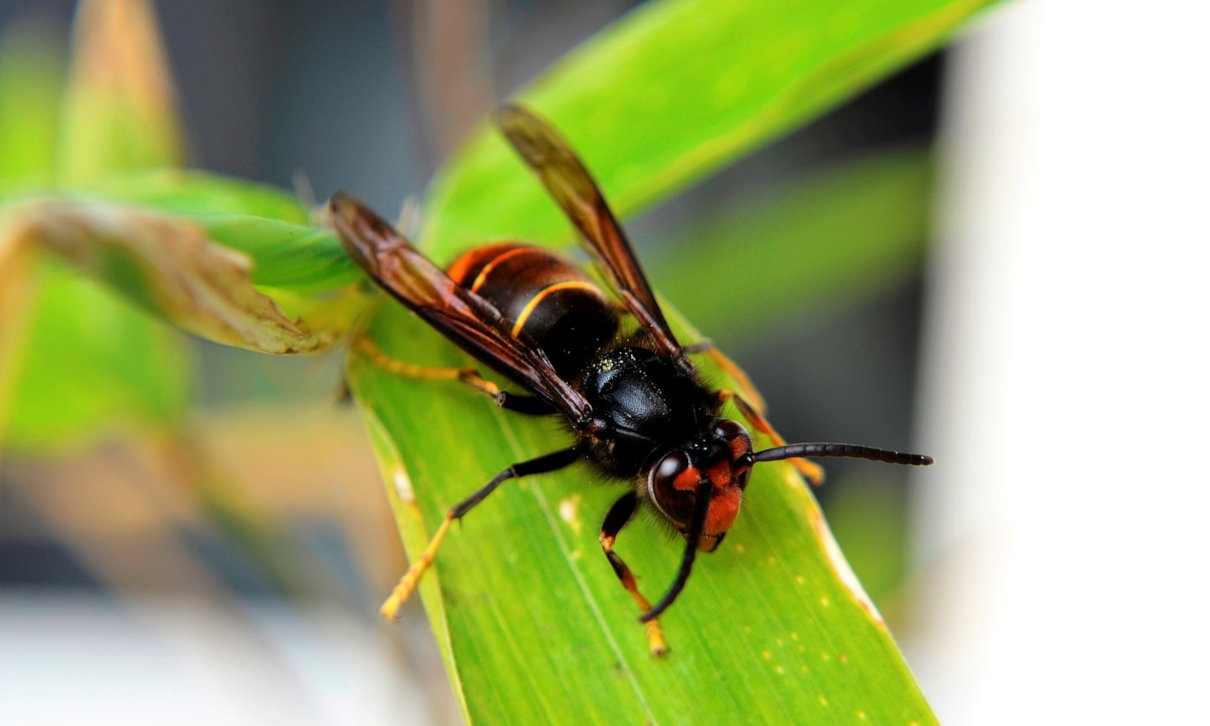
534 627
301 268
285 249
675 90
808 245
251 282
196 194
528 614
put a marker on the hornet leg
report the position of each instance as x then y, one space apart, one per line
469 376
542 464
731 369
619 514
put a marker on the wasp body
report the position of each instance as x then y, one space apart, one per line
633 400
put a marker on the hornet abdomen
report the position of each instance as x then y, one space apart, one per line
550 300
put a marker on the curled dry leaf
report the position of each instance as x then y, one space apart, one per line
170 266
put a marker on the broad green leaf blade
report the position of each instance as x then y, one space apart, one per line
773 628
675 90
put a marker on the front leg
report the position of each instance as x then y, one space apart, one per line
731 368
617 518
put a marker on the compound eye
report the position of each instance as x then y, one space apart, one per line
671 484
669 467
737 440
728 429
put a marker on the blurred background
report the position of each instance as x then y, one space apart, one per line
908 271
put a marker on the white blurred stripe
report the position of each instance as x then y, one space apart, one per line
1066 375
88 660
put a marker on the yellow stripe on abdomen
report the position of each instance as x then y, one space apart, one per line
490 266
543 293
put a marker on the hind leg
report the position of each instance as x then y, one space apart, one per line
521 403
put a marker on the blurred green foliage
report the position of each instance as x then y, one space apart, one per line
868 515
91 362
31 83
80 360
826 241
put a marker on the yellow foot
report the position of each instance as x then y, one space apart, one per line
655 639
407 583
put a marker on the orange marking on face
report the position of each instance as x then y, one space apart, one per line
719 475
687 479
723 510
739 445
